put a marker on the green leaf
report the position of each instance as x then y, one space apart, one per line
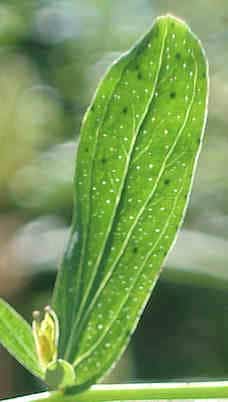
139 144
16 336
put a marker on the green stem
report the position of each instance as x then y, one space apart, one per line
126 392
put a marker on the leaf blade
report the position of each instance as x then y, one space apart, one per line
16 336
129 211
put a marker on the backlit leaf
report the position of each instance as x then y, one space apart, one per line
139 144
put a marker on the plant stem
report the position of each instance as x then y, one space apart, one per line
121 392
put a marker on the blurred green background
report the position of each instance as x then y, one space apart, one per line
52 54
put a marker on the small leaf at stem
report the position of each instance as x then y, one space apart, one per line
17 337
60 374
139 144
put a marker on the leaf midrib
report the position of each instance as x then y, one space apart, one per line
119 196
88 225
85 240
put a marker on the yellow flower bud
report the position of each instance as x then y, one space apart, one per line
46 334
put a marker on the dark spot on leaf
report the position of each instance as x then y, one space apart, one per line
165 253
185 196
178 56
125 110
199 140
204 75
139 76
86 149
103 160
135 250
92 109
166 181
136 67
172 95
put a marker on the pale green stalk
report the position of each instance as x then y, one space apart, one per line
140 392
